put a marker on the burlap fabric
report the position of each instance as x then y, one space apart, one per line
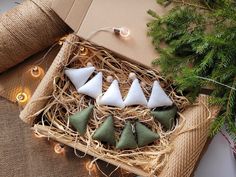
44 89
187 143
24 33
24 155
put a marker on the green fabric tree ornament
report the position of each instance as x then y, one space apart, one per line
144 135
80 119
106 132
127 139
165 117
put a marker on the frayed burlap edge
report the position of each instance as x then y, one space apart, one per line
44 89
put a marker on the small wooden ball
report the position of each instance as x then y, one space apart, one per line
132 76
109 79
143 84
89 64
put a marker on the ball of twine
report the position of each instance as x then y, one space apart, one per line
27 29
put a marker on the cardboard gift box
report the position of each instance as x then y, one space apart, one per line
185 143
87 17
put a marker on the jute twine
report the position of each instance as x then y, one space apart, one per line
55 100
27 29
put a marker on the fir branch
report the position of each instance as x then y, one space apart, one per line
196 5
200 51
217 125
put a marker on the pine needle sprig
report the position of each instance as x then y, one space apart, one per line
200 51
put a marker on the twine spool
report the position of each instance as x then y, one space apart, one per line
27 29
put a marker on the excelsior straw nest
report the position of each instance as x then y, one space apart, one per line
65 101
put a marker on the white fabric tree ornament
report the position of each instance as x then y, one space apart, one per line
135 95
79 76
93 87
112 97
158 97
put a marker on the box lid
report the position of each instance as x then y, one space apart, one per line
86 17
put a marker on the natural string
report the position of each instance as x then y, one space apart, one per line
26 30
216 82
